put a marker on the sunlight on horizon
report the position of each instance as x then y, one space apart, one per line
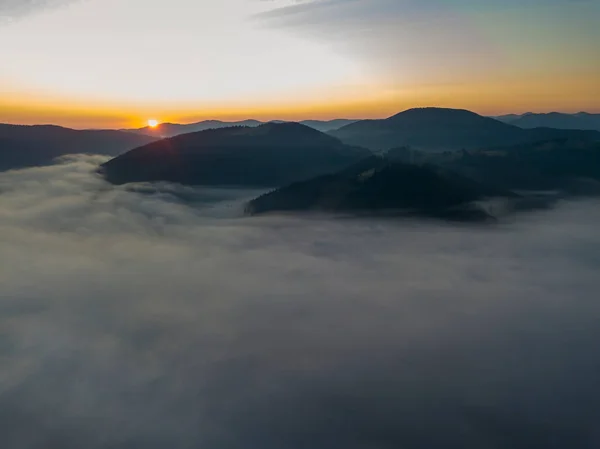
282 59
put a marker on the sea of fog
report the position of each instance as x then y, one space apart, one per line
130 320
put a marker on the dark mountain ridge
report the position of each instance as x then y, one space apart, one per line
558 120
439 129
165 130
174 129
448 185
25 146
379 185
268 155
327 125
569 165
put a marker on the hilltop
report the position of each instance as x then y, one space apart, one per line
267 155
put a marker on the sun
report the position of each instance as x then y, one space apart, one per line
153 123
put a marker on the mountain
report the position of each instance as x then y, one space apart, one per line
558 120
327 125
448 185
441 129
272 154
379 185
174 129
25 146
506 118
569 165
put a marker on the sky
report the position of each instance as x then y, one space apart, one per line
115 63
132 320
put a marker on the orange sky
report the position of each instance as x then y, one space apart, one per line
240 59
485 98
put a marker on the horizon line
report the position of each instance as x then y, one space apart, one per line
221 120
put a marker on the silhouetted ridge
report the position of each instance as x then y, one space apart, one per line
299 133
272 154
560 164
379 185
432 113
25 146
580 121
165 130
327 125
441 129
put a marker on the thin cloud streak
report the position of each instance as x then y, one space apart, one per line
400 41
14 9
411 42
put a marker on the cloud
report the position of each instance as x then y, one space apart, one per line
131 320
410 42
12 9
400 42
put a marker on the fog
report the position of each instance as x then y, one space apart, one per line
129 319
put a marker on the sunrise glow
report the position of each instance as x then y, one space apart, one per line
366 59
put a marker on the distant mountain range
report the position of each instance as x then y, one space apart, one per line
329 125
427 129
26 146
431 162
174 129
439 129
317 172
272 154
581 120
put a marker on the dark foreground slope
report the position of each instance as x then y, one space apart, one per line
25 146
445 129
273 154
377 185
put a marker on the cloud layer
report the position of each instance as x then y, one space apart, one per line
408 42
11 9
130 320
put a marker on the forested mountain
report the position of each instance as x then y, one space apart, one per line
174 129
268 155
441 129
558 120
565 164
380 185
25 146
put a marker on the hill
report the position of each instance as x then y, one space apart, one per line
25 146
174 129
582 120
327 125
444 185
379 185
560 164
272 154
439 129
